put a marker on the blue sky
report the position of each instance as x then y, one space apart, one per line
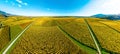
60 7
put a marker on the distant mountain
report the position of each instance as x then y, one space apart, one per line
114 17
111 17
100 16
5 14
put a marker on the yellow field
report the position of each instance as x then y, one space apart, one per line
78 29
45 40
45 36
108 38
4 37
113 24
10 28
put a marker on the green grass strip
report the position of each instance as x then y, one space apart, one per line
12 43
14 30
98 46
110 27
111 52
83 47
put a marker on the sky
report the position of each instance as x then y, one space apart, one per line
60 7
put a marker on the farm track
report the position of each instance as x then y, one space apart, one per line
93 37
81 45
49 40
114 30
9 47
103 49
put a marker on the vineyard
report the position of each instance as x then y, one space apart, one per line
46 35
108 37
48 40
4 37
77 32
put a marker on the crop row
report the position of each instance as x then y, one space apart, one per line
112 24
4 37
108 38
45 40
79 31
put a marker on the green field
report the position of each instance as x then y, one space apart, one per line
44 35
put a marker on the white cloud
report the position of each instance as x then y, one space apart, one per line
101 7
19 1
22 3
19 5
26 4
112 5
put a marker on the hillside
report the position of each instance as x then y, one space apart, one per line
4 13
108 16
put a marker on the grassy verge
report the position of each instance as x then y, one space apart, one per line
110 27
111 52
83 47
4 37
99 47
14 30
11 45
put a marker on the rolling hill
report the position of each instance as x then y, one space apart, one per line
107 16
5 14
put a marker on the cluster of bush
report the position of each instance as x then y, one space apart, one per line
0 25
